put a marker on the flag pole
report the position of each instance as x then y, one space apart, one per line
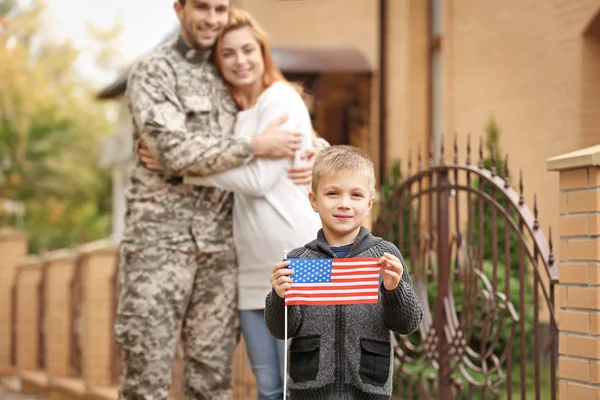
285 353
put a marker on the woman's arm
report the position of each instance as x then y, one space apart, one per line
259 176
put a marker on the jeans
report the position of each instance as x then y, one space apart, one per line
266 355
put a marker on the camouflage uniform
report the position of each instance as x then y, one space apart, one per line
178 271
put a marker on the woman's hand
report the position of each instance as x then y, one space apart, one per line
280 279
275 142
302 175
147 158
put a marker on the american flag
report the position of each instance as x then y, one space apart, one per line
333 281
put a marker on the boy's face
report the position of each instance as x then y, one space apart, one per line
343 201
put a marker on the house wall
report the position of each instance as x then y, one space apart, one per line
543 92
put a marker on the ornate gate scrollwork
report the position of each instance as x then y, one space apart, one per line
485 274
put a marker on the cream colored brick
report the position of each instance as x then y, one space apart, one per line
581 297
574 369
574 225
574 273
584 201
574 321
579 391
574 179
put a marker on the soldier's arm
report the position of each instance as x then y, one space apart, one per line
160 118
259 176
159 115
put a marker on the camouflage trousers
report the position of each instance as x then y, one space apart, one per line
166 295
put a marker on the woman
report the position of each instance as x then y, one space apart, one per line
271 214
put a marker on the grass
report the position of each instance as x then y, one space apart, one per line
545 382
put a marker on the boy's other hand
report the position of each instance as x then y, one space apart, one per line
391 270
280 279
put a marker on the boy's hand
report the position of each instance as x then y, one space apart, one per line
280 279
392 270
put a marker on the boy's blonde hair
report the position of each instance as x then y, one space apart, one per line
343 158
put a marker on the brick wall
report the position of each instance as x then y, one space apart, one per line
99 265
541 91
579 291
60 266
13 247
29 274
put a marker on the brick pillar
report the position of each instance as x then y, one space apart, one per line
28 313
578 302
98 263
60 266
13 247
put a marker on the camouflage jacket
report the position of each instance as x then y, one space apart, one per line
185 115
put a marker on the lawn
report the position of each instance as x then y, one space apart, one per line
545 389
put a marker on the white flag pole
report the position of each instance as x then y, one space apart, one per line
285 354
285 357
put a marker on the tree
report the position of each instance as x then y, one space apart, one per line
50 132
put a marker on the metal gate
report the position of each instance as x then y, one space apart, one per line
485 274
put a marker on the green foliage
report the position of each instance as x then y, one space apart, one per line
51 128
482 228
499 222
502 325
6 6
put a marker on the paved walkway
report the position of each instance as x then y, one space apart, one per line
9 390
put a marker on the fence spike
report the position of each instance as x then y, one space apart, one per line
493 169
431 155
409 172
469 149
480 152
551 247
521 198
506 172
455 160
419 159
442 151
536 223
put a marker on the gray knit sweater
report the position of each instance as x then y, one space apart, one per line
344 352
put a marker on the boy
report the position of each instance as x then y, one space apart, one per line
344 352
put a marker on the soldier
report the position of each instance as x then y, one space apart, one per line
177 263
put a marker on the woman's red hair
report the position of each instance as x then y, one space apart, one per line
239 19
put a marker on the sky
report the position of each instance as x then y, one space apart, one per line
145 24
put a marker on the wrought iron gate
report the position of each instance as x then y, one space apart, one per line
485 274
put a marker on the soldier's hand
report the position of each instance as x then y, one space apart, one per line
147 159
280 279
275 142
302 175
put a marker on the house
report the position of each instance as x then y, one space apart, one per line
447 67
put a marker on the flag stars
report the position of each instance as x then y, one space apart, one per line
311 271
